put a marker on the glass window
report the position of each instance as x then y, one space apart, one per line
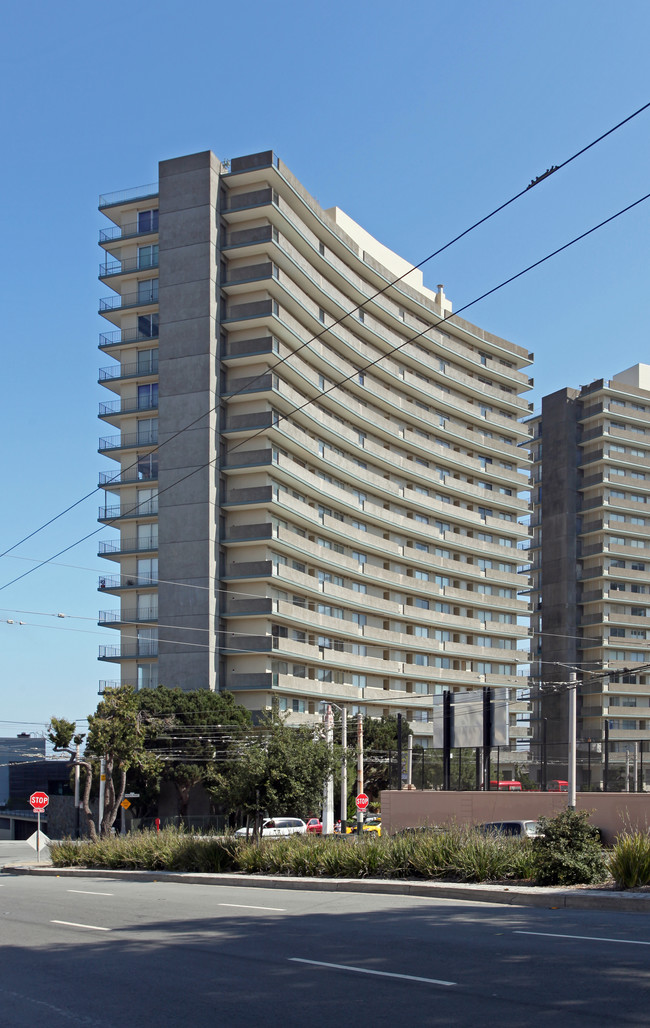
148 221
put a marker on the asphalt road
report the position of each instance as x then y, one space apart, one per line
99 953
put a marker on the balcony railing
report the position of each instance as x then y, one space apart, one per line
139 263
127 335
127 442
145 366
126 405
130 476
117 232
146 544
139 510
126 582
144 649
114 617
128 195
143 298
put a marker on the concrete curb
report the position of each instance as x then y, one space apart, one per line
531 896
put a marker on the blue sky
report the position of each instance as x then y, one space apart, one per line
416 119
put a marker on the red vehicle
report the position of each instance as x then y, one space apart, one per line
506 786
557 786
314 826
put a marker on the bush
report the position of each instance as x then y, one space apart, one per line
629 862
568 852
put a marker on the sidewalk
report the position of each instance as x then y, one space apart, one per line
578 898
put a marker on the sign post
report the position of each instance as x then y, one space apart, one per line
38 801
362 804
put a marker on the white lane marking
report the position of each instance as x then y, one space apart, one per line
366 970
247 906
588 938
74 924
86 892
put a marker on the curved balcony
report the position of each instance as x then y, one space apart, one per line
130 476
128 442
122 547
146 648
128 195
130 405
128 335
108 583
113 618
130 264
140 369
148 508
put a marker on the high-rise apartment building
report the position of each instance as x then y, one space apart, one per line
305 504
591 541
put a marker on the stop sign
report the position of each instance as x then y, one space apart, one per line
362 801
39 800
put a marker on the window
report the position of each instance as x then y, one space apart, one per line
148 291
148 326
148 396
298 706
299 671
148 256
359 681
148 221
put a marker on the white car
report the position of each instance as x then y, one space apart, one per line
273 827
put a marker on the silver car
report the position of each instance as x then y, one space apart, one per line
273 827
513 829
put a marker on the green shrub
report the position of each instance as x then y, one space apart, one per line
629 862
568 852
458 853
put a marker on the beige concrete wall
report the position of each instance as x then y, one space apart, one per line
612 812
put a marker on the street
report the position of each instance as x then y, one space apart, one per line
104 953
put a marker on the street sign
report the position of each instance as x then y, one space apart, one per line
125 803
39 801
33 841
362 801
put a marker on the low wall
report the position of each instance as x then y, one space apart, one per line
612 812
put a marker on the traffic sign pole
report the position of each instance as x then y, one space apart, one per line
38 836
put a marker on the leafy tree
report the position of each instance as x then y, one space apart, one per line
189 734
117 734
274 768
380 769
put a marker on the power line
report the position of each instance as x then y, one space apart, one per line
389 285
365 367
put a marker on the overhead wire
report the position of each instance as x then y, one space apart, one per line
481 221
363 368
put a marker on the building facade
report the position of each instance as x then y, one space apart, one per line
304 504
591 597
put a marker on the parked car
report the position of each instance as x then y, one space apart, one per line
315 826
514 829
371 824
273 827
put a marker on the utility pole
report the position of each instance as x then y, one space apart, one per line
627 770
76 792
102 792
328 798
359 770
573 688
399 752
606 756
409 762
344 770
636 767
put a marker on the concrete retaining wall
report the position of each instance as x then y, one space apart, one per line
612 812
